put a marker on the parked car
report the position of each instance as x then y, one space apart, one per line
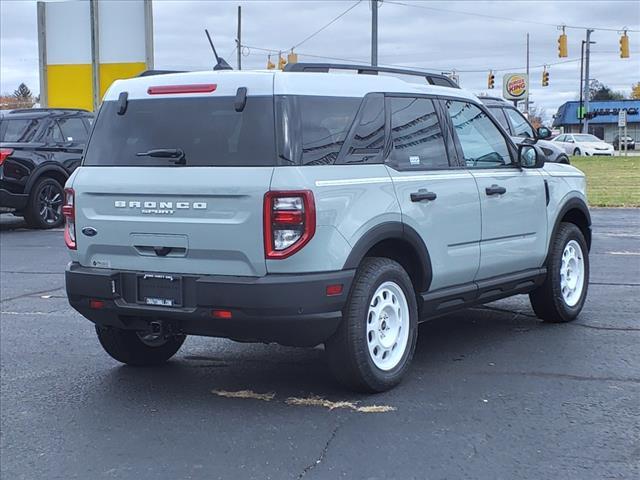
583 144
304 207
520 129
39 149
619 143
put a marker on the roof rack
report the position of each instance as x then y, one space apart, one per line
431 78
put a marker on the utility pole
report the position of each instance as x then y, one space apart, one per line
581 83
374 33
585 126
526 102
95 53
239 38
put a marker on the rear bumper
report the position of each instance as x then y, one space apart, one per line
291 309
10 201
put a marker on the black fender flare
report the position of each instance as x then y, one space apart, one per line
43 169
573 203
391 231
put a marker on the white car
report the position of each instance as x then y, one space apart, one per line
583 144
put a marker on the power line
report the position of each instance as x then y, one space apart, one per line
327 25
495 17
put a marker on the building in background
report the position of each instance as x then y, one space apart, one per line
605 123
85 46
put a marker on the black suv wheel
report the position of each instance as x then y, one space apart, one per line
44 209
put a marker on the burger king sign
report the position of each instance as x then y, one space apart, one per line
515 86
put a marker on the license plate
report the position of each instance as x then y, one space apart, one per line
160 290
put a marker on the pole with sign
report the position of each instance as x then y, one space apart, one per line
622 130
515 87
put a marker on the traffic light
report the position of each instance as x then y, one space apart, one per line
491 80
624 45
545 78
562 45
270 65
292 57
281 62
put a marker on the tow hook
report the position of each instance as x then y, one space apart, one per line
156 328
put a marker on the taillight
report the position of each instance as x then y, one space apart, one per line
289 222
4 153
69 212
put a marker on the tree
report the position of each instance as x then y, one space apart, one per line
23 93
599 91
635 91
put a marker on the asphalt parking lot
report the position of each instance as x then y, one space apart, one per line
493 392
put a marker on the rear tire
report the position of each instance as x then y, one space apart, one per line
374 344
128 346
576 152
44 209
562 295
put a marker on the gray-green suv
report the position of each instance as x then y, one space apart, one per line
304 208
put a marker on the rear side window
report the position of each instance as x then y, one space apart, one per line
19 130
418 142
325 123
366 143
208 130
73 130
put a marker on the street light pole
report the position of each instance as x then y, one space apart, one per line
585 126
374 33
526 101
239 38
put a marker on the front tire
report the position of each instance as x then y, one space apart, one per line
136 348
562 295
44 209
576 152
374 344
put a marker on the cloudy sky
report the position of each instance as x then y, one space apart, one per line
470 37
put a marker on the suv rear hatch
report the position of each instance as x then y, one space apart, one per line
175 182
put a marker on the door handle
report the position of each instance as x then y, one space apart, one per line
495 190
422 195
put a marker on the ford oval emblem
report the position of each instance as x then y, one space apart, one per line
89 231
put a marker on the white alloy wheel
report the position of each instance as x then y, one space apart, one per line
388 326
572 273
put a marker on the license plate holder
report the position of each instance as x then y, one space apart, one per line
160 290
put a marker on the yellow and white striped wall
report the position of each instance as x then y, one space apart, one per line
85 45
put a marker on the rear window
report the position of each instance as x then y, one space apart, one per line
19 130
208 130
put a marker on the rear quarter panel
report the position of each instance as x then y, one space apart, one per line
349 199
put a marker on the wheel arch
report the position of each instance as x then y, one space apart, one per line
398 242
47 171
574 211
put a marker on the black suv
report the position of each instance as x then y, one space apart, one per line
39 148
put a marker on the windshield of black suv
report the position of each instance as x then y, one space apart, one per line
209 132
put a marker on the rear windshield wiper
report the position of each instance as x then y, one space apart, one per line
175 154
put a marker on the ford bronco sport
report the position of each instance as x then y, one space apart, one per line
310 207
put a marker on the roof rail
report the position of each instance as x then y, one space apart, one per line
431 78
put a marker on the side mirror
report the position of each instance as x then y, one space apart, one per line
543 132
530 156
